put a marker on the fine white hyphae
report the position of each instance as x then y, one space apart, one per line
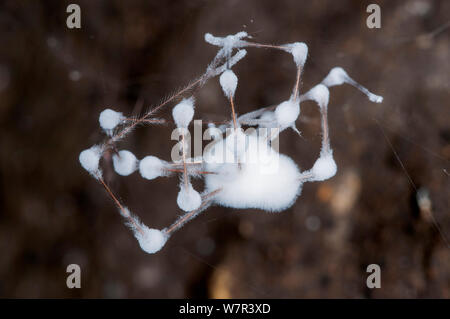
240 169
109 119
151 240
319 93
183 112
265 179
151 167
324 168
287 113
338 76
124 163
228 81
188 198
90 159
299 51
229 42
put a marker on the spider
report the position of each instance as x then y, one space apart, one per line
242 170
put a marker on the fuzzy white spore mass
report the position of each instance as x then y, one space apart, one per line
188 198
228 81
299 51
183 112
318 93
151 240
324 168
264 178
90 159
229 42
338 76
287 113
124 163
151 167
109 119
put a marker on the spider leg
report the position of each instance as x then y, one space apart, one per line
324 167
183 219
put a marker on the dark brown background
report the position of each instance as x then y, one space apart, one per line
129 55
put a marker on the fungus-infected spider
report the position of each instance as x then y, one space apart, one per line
241 169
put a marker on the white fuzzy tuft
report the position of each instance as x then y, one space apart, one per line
264 178
109 119
124 163
228 42
228 81
188 198
336 76
324 168
90 159
151 167
183 112
320 94
151 240
287 113
299 51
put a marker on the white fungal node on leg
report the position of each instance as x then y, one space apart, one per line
109 119
124 163
320 94
338 76
90 159
299 51
287 113
151 167
183 112
324 168
228 81
228 42
151 240
188 198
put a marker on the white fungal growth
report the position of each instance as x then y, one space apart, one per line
338 76
324 168
319 93
228 81
211 72
151 167
183 113
188 198
109 119
90 159
240 169
299 51
287 113
151 240
265 180
229 42
124 163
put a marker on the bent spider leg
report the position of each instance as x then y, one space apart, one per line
183 219
338 76
325 166
132 221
